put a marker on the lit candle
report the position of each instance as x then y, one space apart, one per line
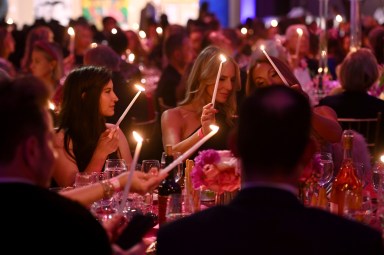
300 34
140 88
71 33
128 184
191 150
262 48
223 59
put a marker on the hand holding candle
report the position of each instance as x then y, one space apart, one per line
191 150
71 33
262 48
300 34
140 88
223 59
128 184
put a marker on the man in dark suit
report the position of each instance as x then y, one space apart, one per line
266 217
26 160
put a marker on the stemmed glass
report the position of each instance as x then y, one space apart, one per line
325 170
323 167
152 167
106 208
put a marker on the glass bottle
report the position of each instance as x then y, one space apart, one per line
167 187
346 183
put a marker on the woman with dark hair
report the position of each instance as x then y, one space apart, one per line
84 140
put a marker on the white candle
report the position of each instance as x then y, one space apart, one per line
127 186
300 34
191 150
223 59
140 88
262 48
71 33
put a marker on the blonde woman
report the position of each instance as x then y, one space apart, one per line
187 123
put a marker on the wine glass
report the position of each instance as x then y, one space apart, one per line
152 167
115 167
324 168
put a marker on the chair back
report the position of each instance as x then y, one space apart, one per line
368 127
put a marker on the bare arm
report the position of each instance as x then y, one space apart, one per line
173 125
324 122
141 183
65 168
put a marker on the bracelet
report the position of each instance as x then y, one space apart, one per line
116 184
200 133
108 189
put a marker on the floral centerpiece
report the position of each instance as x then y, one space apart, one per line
216 170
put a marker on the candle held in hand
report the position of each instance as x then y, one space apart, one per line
300 34
262 48
128 184
191 150
223 59
140 88
71 33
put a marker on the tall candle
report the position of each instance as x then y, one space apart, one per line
300 34
128 184
262 48
71 33
223 59
191 150
140 88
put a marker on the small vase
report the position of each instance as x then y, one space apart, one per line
225 198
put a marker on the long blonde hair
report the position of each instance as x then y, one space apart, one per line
203 74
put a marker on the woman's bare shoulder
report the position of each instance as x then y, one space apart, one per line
173 114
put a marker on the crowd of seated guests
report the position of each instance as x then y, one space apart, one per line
50 42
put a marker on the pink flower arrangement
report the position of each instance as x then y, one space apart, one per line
216 170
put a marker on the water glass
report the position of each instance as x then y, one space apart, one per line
175 208
152 167
84 179
115 166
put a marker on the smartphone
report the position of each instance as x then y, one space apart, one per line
133 233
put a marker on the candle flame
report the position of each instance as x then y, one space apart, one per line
137 137
93 45
262 47
323 53
9 21
71 31
274 23
131 57
223 58
139 87
320 70
382 158
142 34
244 30
159 30
299 31
214 128
339 18
51 106
114 31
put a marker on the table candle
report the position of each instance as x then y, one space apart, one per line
140 88
262 48
191 150
127 186
71 33
300 34
223 59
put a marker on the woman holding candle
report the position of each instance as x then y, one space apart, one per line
84 140
261 73
184 125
